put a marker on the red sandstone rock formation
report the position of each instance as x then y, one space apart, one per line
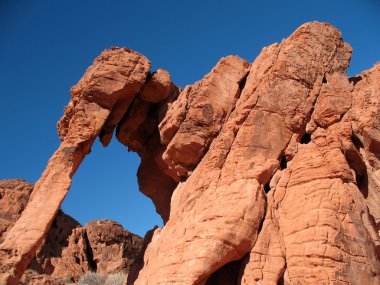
49 255
15 194
264 173
113 247
69 250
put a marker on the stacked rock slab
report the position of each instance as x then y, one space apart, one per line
264 173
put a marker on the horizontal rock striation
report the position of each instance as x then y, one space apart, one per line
264 173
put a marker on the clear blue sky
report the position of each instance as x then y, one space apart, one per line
45 47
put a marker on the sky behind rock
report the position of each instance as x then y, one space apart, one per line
45 47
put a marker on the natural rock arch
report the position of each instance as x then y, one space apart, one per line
99 102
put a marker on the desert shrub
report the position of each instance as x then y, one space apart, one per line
92 278
115 279
68 280
28 274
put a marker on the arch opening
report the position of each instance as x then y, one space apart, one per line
105 187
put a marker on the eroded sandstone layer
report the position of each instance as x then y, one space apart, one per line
264 173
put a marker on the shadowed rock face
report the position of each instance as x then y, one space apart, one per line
264 173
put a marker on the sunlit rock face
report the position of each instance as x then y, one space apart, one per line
264 172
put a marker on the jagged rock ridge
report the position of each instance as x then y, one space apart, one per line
264 173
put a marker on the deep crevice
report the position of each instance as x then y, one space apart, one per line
324 79
262 222
355 161
126 115
357 142
89 254
267 188
228 274
283 162
242 82
362 183
306 138
355 79
281 281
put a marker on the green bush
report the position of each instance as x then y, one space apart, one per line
29 273
68 280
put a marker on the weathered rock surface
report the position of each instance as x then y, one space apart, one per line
318 228
197 116
264 173
158 87
69 250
